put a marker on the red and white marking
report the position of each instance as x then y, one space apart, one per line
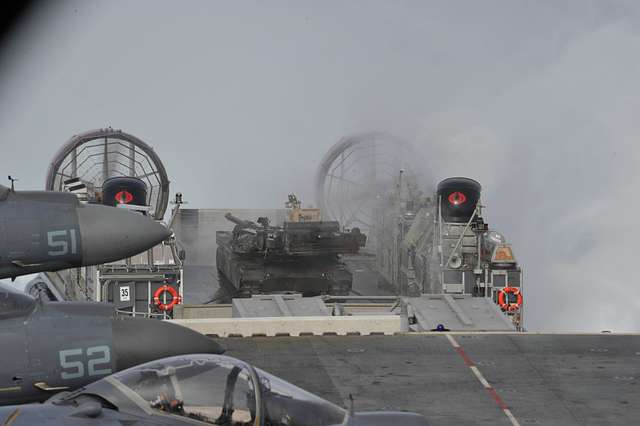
476 372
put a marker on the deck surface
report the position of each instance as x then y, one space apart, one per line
542 379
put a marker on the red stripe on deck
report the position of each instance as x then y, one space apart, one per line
469 363
464 356
497 398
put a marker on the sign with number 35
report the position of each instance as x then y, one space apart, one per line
125 296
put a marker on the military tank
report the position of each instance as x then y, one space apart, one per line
303 255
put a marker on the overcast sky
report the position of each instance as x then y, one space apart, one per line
241 99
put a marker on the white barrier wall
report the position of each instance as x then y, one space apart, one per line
294 326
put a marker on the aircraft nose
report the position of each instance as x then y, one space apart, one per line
138 340
110 234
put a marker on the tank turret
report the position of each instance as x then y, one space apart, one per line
301 256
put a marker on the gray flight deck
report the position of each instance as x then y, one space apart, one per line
545 379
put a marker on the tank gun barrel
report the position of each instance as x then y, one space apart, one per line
240 222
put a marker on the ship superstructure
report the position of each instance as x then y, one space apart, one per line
441 244
427 240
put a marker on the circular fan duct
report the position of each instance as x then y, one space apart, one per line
89 159
358 172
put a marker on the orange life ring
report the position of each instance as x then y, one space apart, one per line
169 306
503 300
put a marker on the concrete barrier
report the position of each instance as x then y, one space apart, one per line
294 326
212 310
215 310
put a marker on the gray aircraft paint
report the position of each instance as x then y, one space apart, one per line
70 344
65 345
38 227
48 231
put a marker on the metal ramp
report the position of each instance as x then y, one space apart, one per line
456 313
294 315
288 315
279 305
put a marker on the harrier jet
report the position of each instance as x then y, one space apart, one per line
55 346
49 231
48 347
196 390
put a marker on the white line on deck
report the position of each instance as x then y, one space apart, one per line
452 341
480 376
476 372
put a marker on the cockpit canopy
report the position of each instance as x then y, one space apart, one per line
14 304
214 389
